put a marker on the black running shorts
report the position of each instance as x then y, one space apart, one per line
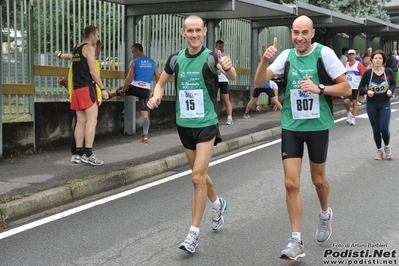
292 144
224 87
190 137
268 91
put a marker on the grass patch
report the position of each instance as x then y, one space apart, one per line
6 199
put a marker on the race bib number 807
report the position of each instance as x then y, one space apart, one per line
304 105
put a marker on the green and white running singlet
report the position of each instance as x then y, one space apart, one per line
196 86
306 111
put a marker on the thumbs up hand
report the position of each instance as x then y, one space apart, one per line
224 62
308 85
271 50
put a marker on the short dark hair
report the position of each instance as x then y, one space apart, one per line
344 50
193 17
381 52
89 30
137 46
219 42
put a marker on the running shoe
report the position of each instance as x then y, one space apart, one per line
229 122
190 244
348 117
246 116
388 153
353 121
324 231
76 159
93 160
379 155
217 215
144 139
294 250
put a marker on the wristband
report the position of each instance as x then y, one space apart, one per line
59 54
103 89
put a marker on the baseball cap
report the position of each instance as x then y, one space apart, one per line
351 51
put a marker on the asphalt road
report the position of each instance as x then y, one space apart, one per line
144 225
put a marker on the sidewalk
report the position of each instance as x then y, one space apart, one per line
48 175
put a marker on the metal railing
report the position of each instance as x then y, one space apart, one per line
58 25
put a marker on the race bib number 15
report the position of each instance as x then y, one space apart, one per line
191 103
304 105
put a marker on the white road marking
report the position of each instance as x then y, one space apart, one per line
63 214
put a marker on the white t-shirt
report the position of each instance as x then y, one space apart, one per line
273 85
334 67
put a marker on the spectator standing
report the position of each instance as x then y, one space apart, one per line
138 83
84 99
64 82
224 86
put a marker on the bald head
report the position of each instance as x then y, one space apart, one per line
302 33
192 18
303 21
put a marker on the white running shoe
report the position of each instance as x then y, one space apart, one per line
348 117
76 159
378 155
324 229
353 122
388 153
217 215
294 250
229 122
93 160
190 244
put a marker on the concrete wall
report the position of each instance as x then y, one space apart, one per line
53 123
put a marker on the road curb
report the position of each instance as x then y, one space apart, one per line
56 197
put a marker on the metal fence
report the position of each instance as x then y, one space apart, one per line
58 25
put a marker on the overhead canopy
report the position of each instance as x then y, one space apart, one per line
212 9
264 14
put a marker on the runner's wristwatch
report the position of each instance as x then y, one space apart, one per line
321 88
